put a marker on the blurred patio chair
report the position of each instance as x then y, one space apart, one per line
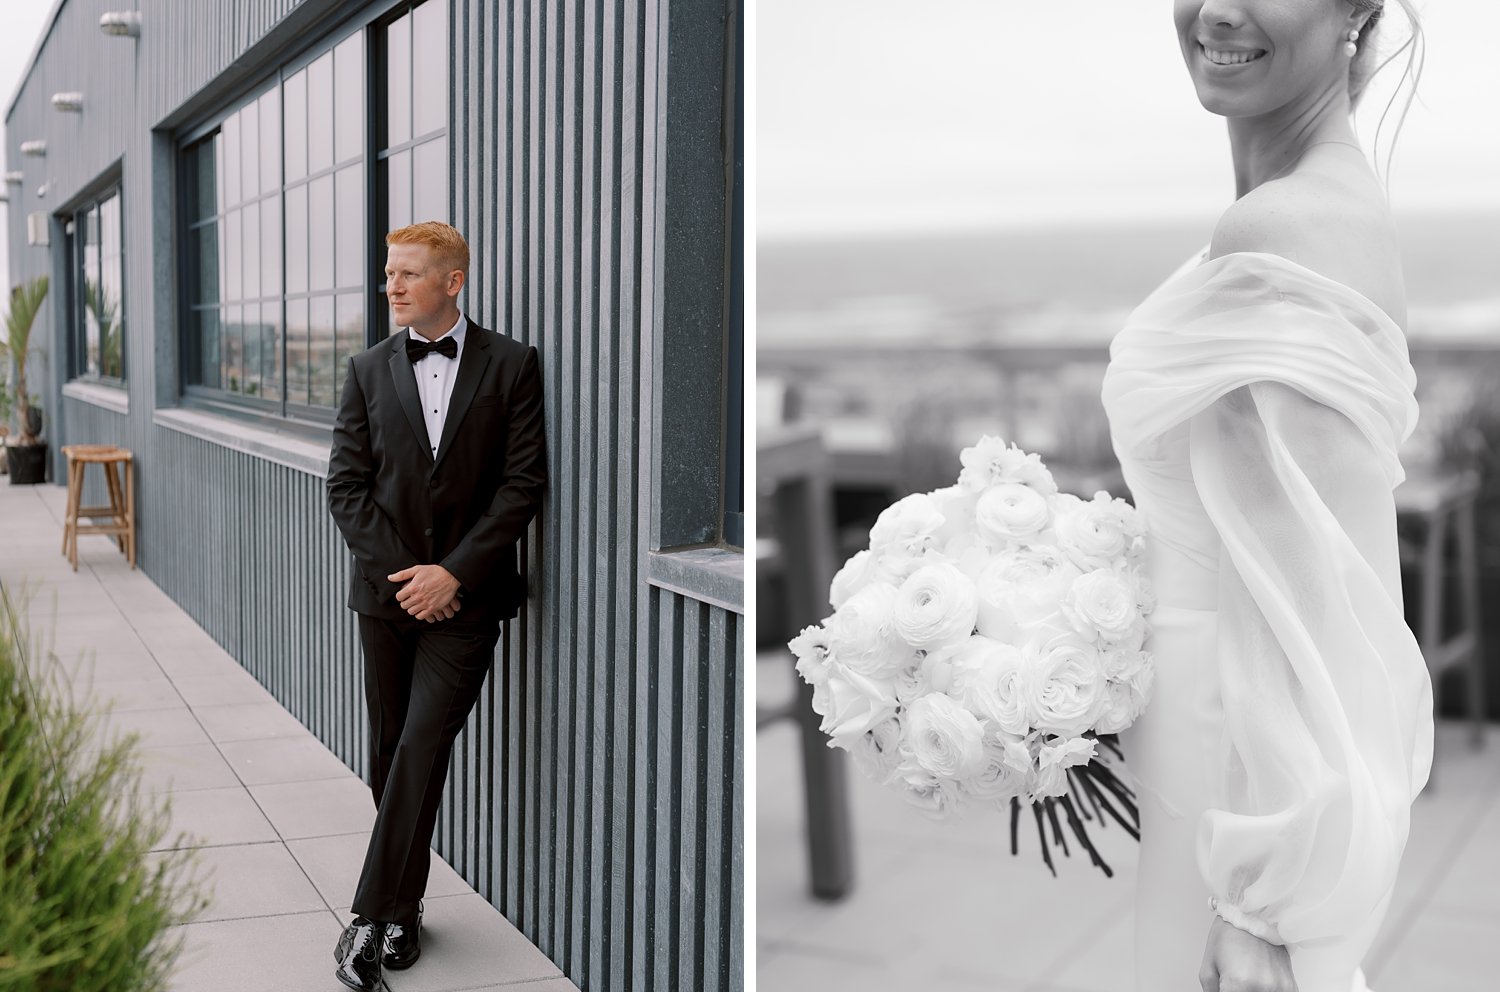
1440 508
794 468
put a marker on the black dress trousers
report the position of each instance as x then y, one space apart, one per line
421 681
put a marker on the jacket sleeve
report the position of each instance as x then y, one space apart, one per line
377 547
519 495
1327 702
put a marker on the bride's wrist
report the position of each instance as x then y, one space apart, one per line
1240 920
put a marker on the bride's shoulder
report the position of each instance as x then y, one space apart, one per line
1336 229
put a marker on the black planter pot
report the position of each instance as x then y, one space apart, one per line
27 464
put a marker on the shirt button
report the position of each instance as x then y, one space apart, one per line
427 532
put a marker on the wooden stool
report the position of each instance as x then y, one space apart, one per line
121 509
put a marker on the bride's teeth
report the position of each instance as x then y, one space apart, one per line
1229 58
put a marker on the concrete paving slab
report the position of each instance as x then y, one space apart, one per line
333 863
221 689
283 759
153 728
255 880
466 944
125 696
261 954
216 817
185 768
248 721
317 809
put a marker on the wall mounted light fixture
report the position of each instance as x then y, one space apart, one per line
36 147
69 102
121 23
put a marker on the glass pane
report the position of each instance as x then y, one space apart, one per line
295 131
270 140
206 330
398 82
219 171
320 230
201 169
320 114
270 246
296 239
233 348
205 249
429 57
251 338
88 237
350 247
296 351
231 136
429 186
351 331
250 152
234 262
349 98
110 312
398 182
251 220
321 348
270 350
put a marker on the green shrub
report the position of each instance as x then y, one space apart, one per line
84 906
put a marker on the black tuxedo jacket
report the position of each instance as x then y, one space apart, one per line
466 508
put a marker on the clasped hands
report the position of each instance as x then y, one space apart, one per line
430 592
1237 961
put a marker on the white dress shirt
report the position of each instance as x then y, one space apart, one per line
435 376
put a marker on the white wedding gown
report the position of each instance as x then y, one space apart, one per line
1256 408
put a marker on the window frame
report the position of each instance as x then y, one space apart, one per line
110 183
283 413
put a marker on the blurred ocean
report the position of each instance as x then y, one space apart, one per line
997 279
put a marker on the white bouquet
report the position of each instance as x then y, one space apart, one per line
987 643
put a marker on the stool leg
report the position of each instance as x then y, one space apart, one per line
1468 574
116 502
130 506
75 498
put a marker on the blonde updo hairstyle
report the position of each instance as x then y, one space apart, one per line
1371 57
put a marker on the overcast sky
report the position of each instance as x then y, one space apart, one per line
884 115
20 26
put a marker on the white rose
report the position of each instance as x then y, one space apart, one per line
1021 589
861 570
998 781
878 750
1096 534
936 605
937 797
944 739
1101 606
1010 512
989 678
956 504
912 682
853 705
991 461
1065 685
862 637
811 649
1127 665
906 528
1121 707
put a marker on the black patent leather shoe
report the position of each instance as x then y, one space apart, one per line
403 944
358 954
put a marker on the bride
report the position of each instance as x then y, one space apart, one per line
1256 401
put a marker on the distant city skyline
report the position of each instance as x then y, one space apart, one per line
874 115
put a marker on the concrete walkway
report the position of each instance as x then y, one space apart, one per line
279 822
944 907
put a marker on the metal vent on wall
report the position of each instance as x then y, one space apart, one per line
37 229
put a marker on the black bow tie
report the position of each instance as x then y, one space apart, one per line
418 350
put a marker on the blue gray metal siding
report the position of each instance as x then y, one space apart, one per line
595 796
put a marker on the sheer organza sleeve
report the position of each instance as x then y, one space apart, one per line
1327 734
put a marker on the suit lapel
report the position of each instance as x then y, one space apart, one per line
406 390
471 365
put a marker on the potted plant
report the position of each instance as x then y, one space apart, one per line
27 456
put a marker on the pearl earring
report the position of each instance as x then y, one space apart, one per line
1350 48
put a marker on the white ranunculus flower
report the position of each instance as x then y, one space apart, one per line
811 649
1064 686
934 796
1010 512
912 681
854 705
1101 606
1098 533
1021 589
862 637
944 739
989 678
1126 665
863 569
1120 708
997 782
878 750
956 504
992 461
907 528
937 605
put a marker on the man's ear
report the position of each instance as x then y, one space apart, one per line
455 282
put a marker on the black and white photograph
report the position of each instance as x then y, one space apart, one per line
1127 496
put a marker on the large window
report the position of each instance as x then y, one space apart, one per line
96 303
281 257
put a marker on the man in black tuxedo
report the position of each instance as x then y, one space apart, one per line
437 467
